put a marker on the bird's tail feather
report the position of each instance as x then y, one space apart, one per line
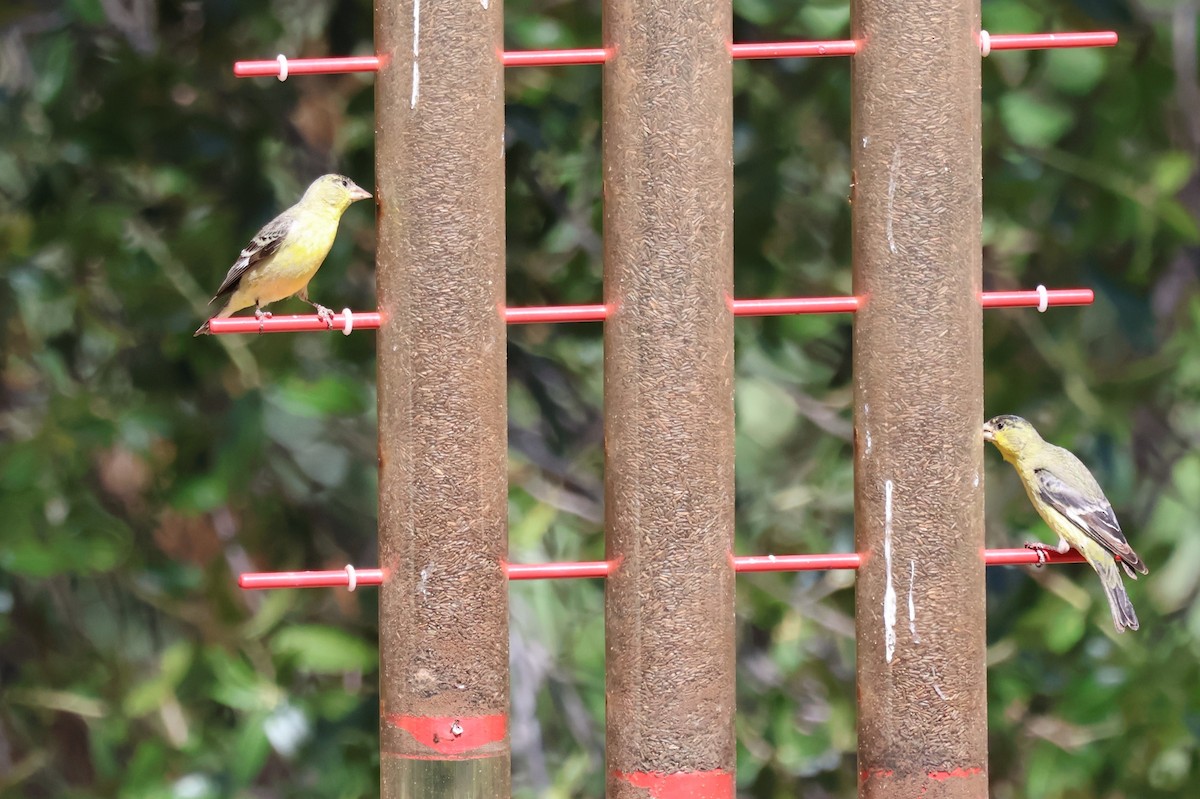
227 311
1114 588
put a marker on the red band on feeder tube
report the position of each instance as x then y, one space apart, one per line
715 784
449 736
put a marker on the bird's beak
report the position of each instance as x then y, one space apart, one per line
989 433
359 193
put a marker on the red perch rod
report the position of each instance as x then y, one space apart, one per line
283 67
597 313
1050 41
742 564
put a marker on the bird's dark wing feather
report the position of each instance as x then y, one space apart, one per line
263 245
1094 516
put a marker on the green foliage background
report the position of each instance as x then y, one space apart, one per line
142 469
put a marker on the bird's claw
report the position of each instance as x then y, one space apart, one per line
261 316
1040 549
325 315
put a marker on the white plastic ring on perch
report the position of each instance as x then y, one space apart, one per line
1043 298
351 578
985 43
347 321
283 67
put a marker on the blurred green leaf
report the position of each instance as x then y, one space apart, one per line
1066 631
1032 121
1011 16
760 12
271 612
767 414
236 684
1172 171
1169 771
825 21
324 650
1076 70
89 11
201 494
80 541
329 395
250 750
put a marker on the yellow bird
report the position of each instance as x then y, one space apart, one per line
1068 497
288 251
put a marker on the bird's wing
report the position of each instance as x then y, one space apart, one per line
1093 515
265 244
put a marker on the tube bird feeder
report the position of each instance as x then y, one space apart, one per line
443 489
918 399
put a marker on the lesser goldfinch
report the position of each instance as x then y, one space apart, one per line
281 259
1068 497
